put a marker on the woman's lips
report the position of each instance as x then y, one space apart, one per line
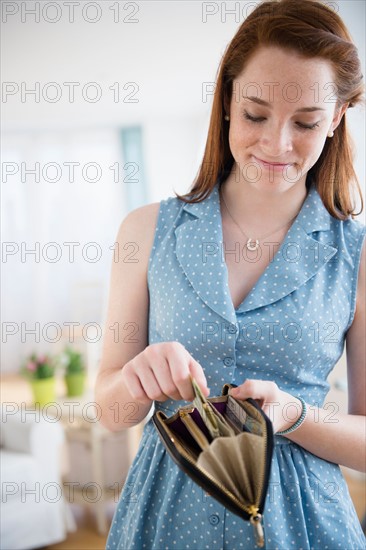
277 166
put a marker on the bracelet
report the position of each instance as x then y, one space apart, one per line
299 421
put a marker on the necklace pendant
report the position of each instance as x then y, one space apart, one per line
251 246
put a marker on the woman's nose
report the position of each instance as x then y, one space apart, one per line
276 141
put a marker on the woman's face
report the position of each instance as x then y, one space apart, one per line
282 108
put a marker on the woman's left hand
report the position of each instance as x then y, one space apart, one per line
282 408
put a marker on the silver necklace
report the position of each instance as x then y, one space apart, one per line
253 244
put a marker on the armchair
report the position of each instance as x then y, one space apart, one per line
34 512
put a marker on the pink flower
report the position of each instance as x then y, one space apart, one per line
42 359
31 366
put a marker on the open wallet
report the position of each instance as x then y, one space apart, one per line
225 445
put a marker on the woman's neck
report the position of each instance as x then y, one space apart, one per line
262 209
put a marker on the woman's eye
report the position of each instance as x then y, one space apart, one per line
253 118
301 125
307 126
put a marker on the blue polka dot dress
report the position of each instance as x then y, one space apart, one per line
290 329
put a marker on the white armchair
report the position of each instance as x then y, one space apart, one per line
34 512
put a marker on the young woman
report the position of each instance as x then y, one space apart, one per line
256 277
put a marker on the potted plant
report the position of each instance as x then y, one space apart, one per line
40 371
75 371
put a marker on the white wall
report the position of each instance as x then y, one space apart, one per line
168 53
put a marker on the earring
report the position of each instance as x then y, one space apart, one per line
330 134
227 117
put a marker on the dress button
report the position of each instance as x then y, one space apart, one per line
232 329
228 361
214 519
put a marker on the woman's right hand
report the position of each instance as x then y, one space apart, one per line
161 372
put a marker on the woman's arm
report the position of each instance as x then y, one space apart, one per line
339 438
344 441
134 373
125 332
356 348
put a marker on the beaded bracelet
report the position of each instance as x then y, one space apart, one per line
299 421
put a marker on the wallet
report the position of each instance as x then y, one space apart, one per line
225 445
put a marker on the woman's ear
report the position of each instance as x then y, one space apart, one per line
339 112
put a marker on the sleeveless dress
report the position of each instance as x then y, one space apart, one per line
290 329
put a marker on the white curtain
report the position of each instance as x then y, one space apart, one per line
70 223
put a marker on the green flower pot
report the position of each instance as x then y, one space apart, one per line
43 391
75 384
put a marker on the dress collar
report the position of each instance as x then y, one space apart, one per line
313 216
200 252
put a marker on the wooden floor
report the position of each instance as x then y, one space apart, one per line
87 538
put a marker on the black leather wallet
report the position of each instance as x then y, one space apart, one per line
225 445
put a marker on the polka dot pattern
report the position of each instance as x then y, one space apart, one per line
291 329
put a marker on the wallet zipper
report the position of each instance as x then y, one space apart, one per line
253 510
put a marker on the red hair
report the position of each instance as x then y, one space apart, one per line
312 30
